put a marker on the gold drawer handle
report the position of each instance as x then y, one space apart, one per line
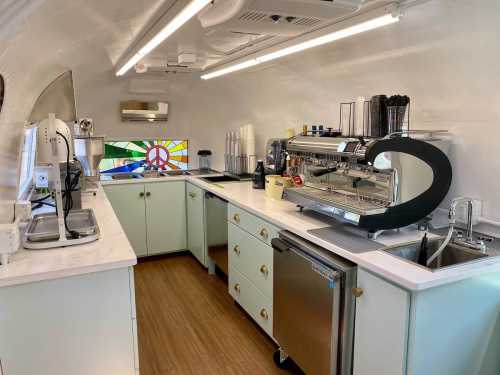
264 270
192 195
236 249
264 314
357 292
264 233
236 218
237 288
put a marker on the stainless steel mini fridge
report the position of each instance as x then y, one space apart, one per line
313 306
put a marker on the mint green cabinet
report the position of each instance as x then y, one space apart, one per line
455 328
251 265
381 329
128 203
77 325
165 217
452 329
196 243
152 215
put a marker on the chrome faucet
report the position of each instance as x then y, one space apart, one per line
452 236
468 239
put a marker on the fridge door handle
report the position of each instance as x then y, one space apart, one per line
279 245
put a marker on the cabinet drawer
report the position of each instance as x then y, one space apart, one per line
254 225
251 257
259 307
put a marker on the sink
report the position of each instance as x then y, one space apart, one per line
151 174
197 172
125 176
452 255
176 173
215 179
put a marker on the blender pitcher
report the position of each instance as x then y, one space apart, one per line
204 160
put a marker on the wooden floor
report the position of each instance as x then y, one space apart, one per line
188 323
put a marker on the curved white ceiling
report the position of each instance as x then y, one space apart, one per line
39 39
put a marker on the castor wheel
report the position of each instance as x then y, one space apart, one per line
282 360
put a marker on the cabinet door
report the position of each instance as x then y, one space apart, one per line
381 329
196 222
166 216
128 203
79 325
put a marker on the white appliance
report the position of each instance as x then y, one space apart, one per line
274 17
65 227
46 149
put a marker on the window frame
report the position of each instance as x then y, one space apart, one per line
27 159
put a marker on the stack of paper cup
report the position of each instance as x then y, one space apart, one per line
250 148
359 116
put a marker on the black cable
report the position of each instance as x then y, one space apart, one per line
41 204
40 200
68 204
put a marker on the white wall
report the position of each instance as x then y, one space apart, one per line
443 54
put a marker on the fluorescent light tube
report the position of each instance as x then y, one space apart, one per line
315 42
184 16
344 33
129 64
231 69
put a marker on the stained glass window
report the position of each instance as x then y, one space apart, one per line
138 156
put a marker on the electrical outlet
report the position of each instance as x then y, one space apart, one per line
462 209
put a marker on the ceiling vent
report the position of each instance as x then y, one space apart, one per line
253 16
286 18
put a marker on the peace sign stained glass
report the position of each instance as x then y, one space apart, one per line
139 156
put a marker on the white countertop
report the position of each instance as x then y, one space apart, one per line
285 215
114 251
111 251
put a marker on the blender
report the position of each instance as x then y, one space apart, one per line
204 161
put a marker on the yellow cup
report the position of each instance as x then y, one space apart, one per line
275 185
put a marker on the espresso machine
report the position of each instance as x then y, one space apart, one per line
374 183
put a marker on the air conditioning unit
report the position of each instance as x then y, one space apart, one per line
286 18
134 110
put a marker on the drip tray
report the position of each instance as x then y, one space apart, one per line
43 230
347 237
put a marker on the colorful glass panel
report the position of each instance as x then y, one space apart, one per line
139 156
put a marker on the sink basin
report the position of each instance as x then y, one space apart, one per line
197 172
176 173
220 179
125 176
151 174
452 255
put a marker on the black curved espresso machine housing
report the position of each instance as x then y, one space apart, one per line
374 183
